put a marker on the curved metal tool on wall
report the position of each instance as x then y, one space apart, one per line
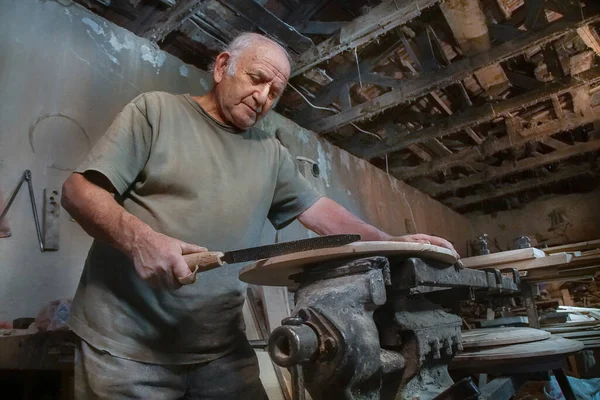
48 240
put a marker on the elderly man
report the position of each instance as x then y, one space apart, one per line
172 171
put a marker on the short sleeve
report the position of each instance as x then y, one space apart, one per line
293 193
122 152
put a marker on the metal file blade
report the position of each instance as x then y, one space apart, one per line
295 246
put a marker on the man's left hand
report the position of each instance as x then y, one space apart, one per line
426 239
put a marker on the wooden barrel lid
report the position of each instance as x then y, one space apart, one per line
478 338
553 346
277 270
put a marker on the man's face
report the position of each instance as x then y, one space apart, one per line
261 74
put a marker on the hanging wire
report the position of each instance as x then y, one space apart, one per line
358 67
387 169
367 132
311 104
335 111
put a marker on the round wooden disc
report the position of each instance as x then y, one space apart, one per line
478 338
553 346
277 270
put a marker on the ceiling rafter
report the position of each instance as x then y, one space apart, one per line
481 114
513 188
319 27
270 24
363 29
157 28
456 71
198 34
488 148
494 173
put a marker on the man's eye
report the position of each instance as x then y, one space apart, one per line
272 95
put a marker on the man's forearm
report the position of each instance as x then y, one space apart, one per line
99 214
327 217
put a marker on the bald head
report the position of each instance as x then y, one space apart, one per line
250 75
247 41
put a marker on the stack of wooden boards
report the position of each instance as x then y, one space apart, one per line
585 329
573 261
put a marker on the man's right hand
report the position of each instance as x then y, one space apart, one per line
158 259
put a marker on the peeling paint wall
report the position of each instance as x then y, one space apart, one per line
64 74
559 220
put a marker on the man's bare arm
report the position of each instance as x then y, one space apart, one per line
157 258
327 217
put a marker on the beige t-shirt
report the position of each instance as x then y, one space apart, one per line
194 179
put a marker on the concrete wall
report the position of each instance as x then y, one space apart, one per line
64 74
554 221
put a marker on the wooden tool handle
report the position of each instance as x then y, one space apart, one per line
205 261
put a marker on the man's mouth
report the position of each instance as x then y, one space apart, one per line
255 111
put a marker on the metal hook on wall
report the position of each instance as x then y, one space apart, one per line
51 209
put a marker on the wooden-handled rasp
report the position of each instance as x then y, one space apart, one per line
199 262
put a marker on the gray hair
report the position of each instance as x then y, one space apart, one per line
242 42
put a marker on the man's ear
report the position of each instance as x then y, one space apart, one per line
221 64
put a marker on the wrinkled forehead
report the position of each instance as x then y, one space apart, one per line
268 55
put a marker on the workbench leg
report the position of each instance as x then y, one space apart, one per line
529 301
564 384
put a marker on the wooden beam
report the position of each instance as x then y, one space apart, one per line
523 81
472 134
306 11
503 32
552 61
363 29
481 114
424 42
422 154
374 78
536 16
558 110
503 257
571 122
194 32
573 247
459 70
320 27
170 20
220 21
590 38
494 173
409 50
553 143
270 24
438 147
345 99
567 173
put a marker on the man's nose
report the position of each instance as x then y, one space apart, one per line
261 95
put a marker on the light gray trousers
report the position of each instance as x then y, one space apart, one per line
100 376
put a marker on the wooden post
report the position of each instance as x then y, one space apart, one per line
529 302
